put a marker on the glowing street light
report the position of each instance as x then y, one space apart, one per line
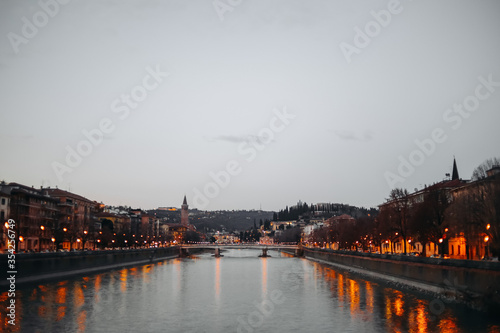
488 226
42 227
486 239
64 229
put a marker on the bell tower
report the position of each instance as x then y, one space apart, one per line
185 213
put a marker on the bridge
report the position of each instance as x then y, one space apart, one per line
184 248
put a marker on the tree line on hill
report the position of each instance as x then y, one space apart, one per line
294 213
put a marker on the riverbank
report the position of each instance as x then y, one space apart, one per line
37 267
474 283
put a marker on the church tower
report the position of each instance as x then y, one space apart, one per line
185 213
455 170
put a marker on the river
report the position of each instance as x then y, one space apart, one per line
237 293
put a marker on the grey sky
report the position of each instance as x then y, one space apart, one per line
227 80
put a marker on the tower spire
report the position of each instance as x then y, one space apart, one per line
184 213
455 170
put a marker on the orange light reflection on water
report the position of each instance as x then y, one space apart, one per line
369 296
399 303
61 312
79 298
340 289
217 278
81 320
421 319
264 277
353 296
97 287
123 279
61 295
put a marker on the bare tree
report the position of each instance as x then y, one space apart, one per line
398 213
480 171
429 218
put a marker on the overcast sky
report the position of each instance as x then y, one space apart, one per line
289 95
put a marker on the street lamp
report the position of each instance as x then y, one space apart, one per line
486 239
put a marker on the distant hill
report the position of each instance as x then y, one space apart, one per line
229 220
324 210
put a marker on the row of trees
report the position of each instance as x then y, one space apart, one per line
303 210
433 216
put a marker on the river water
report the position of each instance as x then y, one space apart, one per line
237 293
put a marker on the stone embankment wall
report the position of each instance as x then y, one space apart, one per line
37 267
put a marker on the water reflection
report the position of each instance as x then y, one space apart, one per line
177 293
264 277
217 279
401 312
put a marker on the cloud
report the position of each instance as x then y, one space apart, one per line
349 135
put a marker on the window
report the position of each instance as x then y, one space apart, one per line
3 202
458 250
452 249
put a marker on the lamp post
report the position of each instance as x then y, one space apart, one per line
85 232
40 241
486 239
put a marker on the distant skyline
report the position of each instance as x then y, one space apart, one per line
258 103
